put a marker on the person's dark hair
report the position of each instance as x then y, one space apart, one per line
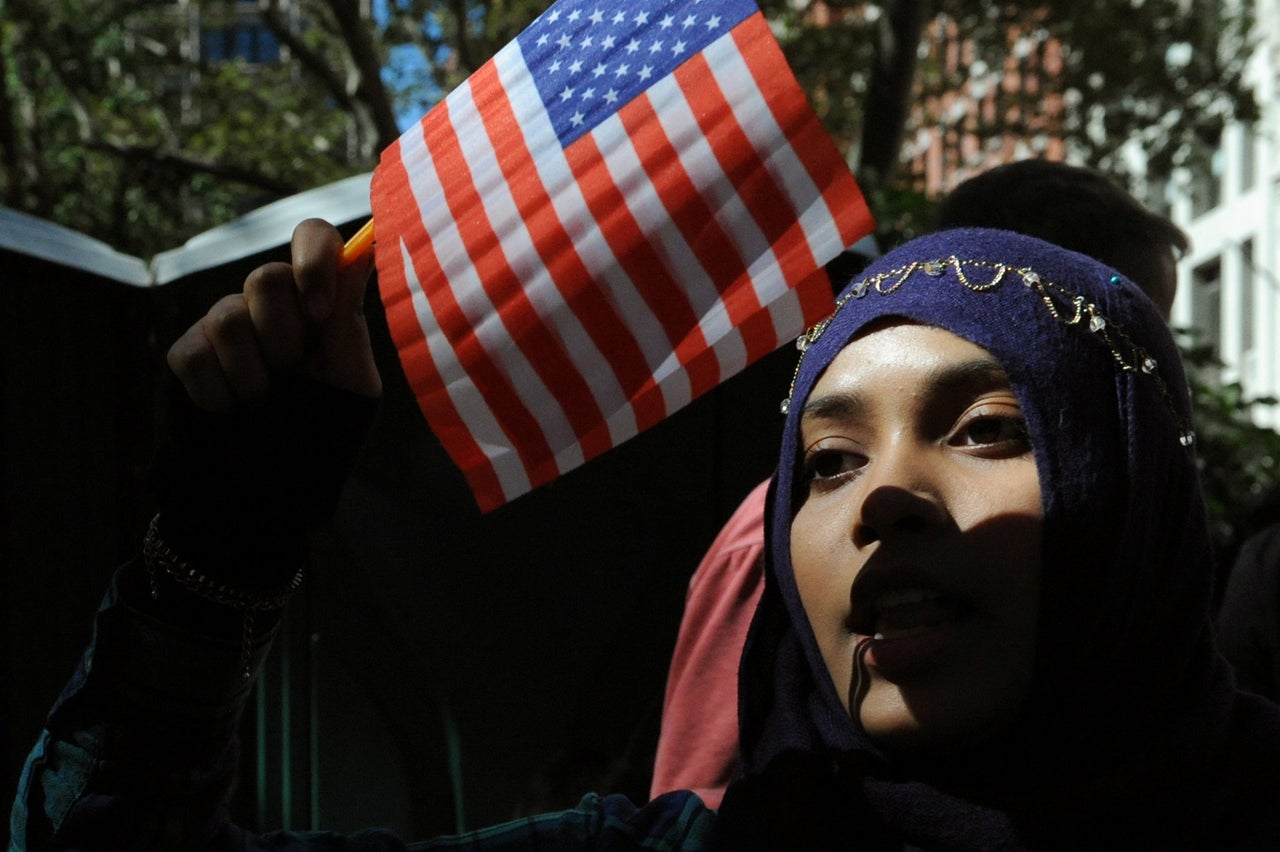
1076 208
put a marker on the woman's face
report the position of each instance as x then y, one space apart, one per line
917 546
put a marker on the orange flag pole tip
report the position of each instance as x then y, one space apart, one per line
360 244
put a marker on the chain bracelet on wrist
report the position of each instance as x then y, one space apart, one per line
156 554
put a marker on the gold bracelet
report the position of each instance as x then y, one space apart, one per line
156 554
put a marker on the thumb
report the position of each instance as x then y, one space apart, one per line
340 353
316 247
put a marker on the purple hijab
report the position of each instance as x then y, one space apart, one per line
1134 732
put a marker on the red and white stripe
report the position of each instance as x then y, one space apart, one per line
550 303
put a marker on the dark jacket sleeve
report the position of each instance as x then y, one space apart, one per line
140 754
139 751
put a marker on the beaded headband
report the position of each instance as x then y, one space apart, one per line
1065 307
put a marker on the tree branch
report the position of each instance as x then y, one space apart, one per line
369 89
310 60
189 164
463 43
890 88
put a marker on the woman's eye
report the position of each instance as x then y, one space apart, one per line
994 431
827 465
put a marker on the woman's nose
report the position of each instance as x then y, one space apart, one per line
902 498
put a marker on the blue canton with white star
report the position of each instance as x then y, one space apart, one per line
589 58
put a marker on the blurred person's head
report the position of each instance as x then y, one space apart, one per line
1076 208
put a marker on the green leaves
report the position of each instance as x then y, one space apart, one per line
134 121
123 133
1092 75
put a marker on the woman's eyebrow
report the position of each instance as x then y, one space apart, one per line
978 374
842 405
973 376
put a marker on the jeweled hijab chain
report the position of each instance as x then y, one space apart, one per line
982 276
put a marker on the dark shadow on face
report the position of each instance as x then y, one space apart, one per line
967 685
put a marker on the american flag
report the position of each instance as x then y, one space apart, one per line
624 207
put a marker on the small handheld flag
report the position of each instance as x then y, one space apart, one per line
623 208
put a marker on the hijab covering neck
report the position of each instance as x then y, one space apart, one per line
1131 732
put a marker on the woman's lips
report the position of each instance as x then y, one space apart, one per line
909 611
907 627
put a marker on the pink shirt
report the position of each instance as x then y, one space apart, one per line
698 744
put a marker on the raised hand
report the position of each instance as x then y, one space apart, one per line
280 381
303 319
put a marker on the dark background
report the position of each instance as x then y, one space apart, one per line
439 668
